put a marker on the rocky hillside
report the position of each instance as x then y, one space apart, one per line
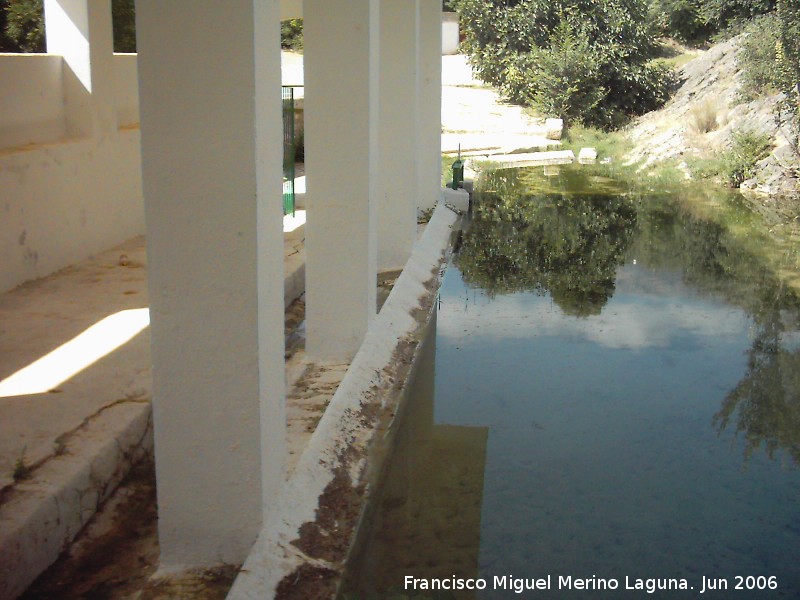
699 120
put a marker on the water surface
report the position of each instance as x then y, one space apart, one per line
612 392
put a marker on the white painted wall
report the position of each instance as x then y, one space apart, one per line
31 99
63 198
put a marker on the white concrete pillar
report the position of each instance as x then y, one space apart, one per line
81 31
397 196
341 65
429 106
209 78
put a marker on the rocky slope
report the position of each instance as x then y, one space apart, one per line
709 91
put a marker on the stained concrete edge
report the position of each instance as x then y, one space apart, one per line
42 515
339 447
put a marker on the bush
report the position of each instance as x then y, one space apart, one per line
703 116
788 60
739 161
724 14
758 58
568 83
292 34
582 60
681 19
25 25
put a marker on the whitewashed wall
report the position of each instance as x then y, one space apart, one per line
62 200
31 99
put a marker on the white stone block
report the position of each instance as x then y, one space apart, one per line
553 128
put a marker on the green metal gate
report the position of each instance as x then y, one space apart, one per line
287 94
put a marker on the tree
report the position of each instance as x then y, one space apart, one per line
788 58
25 25
586 60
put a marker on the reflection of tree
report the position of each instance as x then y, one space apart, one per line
567 244
766 403
566 235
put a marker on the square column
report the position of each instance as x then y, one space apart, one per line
82 32
398 196
429 107
341 65
209 79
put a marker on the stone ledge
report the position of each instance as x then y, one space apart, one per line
308 536
40 516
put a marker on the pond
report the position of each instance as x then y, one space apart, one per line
609 406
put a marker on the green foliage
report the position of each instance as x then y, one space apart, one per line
526 239
696 22
759 58
25 25
123 16
681 19
582 60
568 81
739 161
788 59
613 144
723 14
292 35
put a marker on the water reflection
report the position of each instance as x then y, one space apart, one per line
765 406
568 235
625 349
568 245
427 520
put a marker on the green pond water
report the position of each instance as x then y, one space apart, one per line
610 393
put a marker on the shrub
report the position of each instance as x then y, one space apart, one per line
788 60
758 58
724 14
584 60
567 80
25 25
739 161
292 34
703 116
681 19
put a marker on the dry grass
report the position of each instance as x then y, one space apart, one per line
703 116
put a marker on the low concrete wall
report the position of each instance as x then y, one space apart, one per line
63 199
31 99
304 545
64 202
